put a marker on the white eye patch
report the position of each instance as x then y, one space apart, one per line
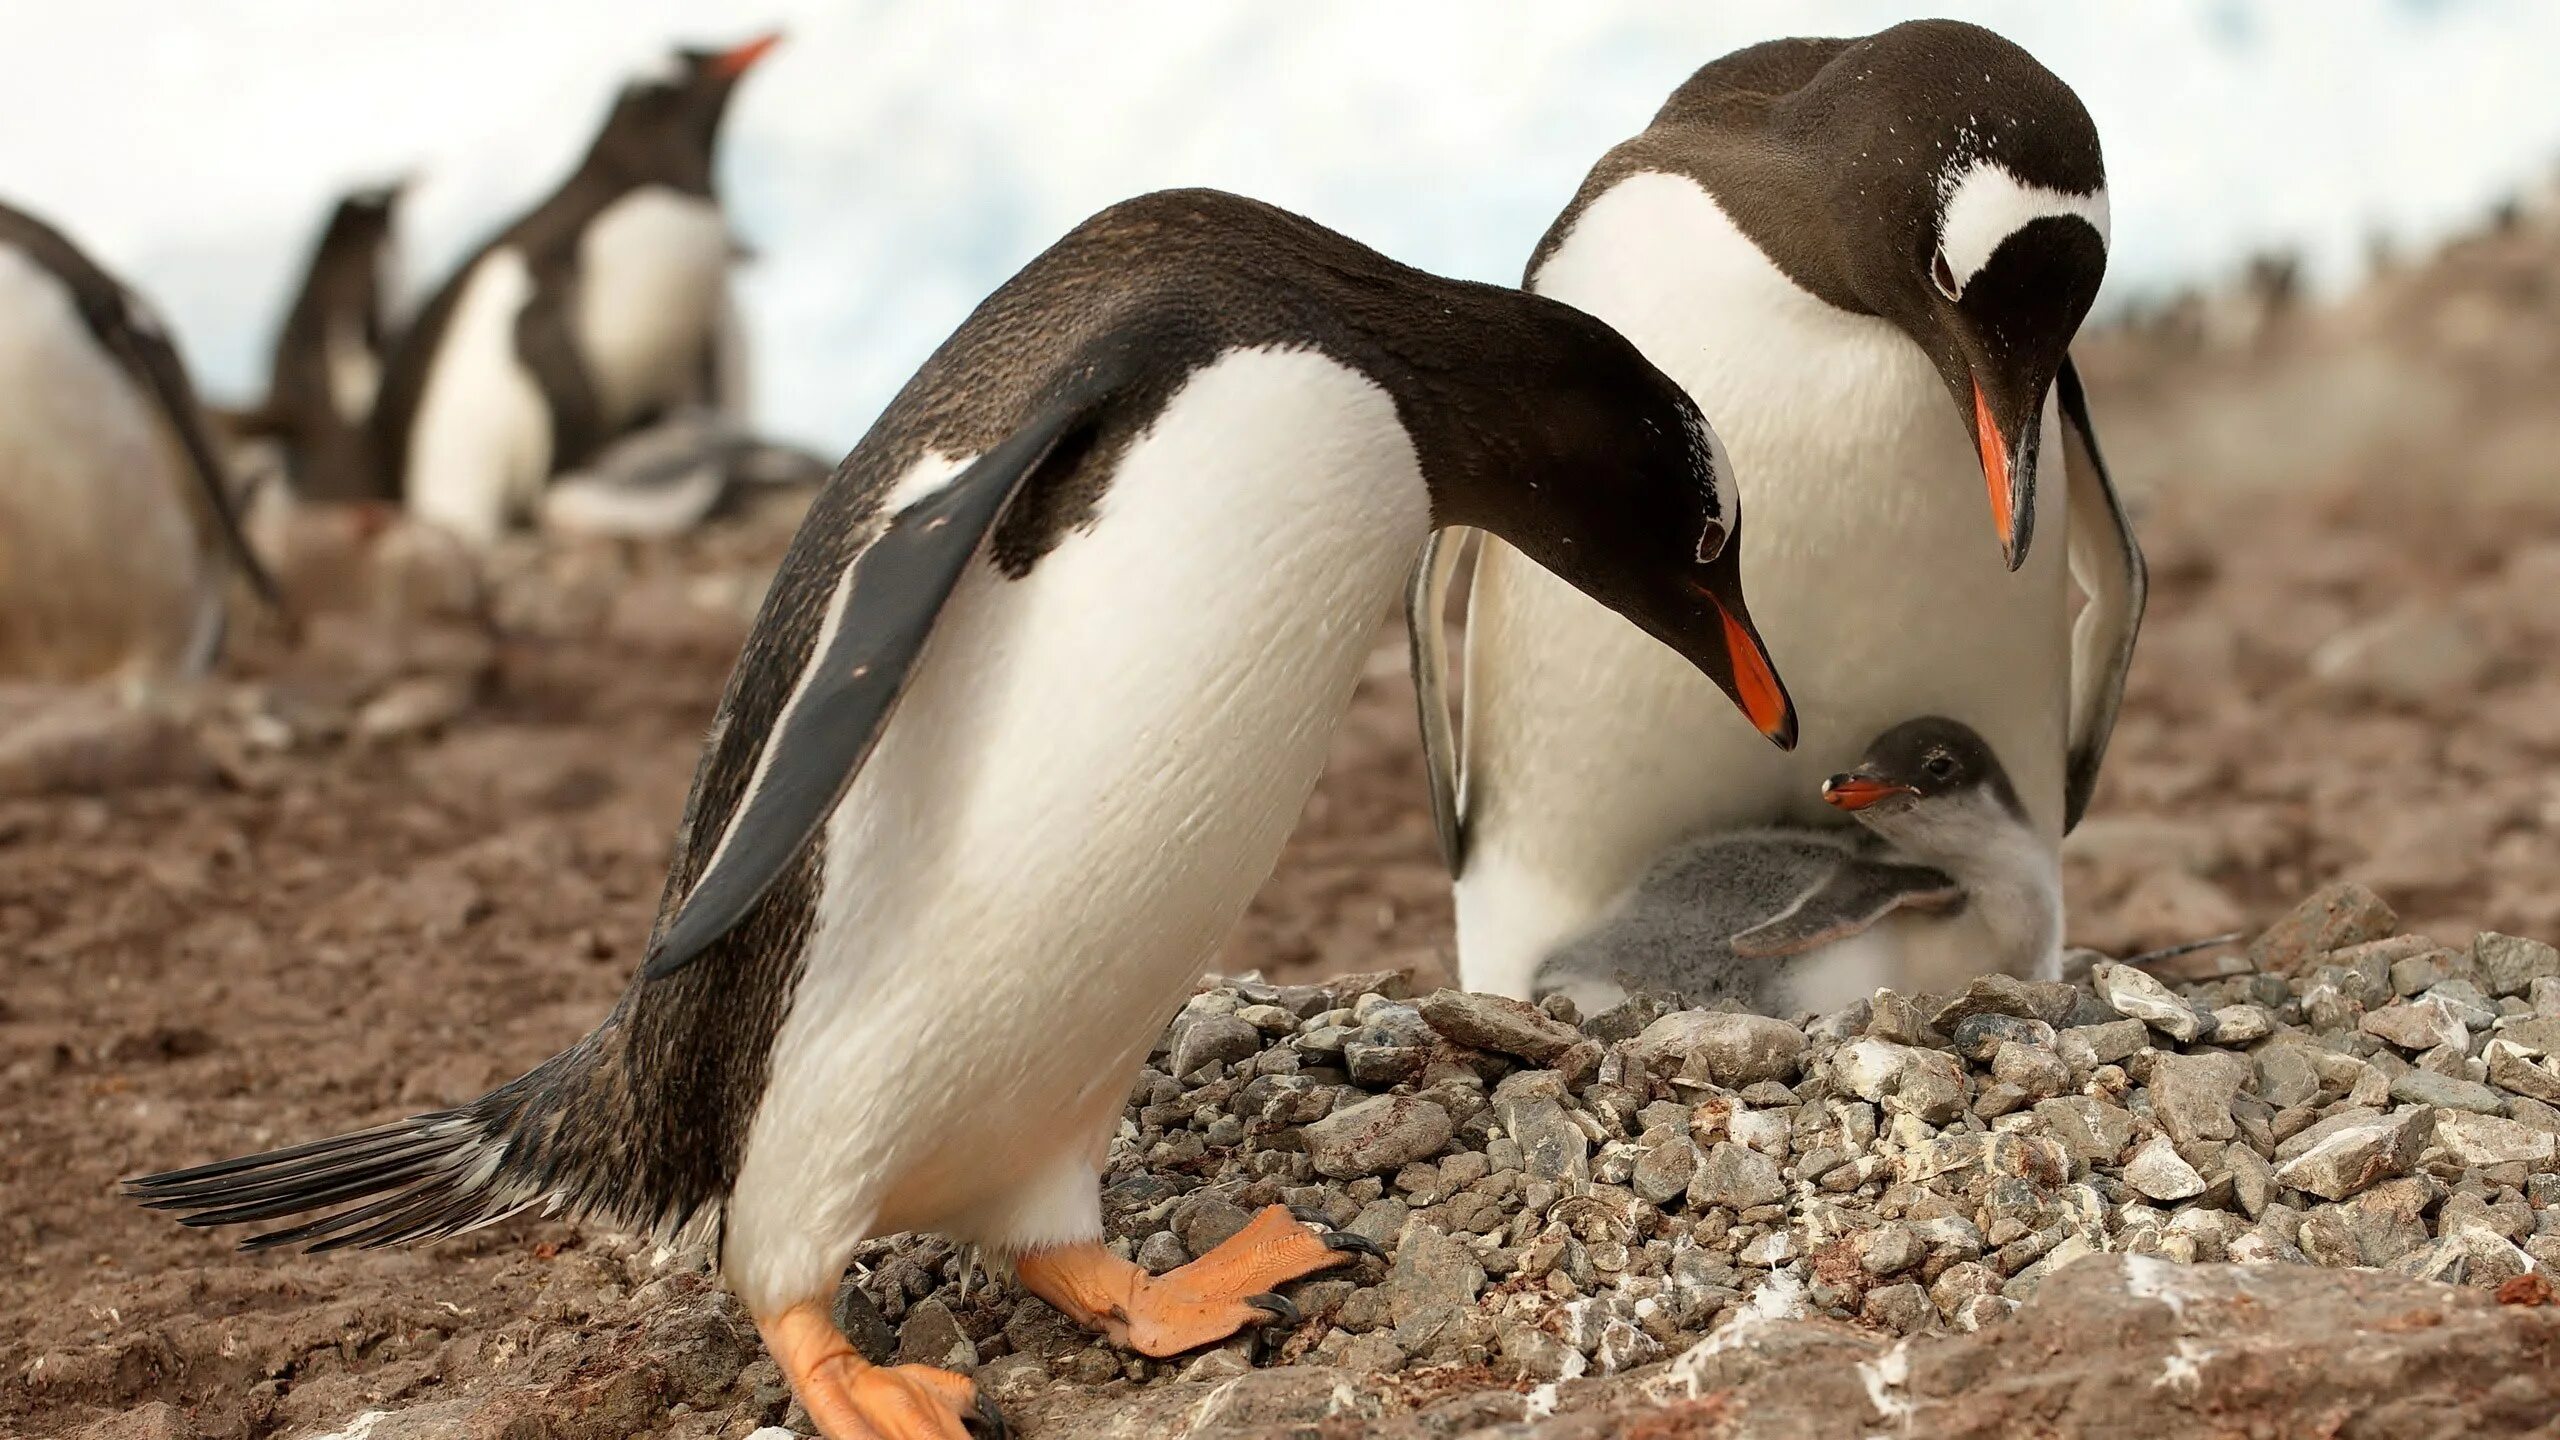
1985 205
1724 501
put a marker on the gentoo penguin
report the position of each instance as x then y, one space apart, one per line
117 535
1866 258
1797 919
604 307
329 356
1033 701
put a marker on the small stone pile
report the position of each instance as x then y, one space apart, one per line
1564 1196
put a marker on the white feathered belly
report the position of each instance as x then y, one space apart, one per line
1094 770
1868 559
101 566
653 281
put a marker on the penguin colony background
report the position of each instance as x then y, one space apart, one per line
1768 595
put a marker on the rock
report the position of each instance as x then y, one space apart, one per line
1737 1178
2426 1087
2241 1024
1433 1271
2192 1095
2356 1155
2131 993
2415 655
2253 1180
1979 1037
416 705
1890 1249
1663 1173
2423 1025
1623 1347
1997 994
1552 1147
2478 1139
1537 1354
78 741
1377 1136
2510 1069
1727 1049
2156 1171
1903 1309
1772 1250
1499 1024
932 1336
1927 1083
2094 1131
2036 1071
1203 1222
2333 918
1224 1038
2509 965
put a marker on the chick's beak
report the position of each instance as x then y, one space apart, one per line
1854 792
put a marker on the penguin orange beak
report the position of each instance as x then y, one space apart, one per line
1854 792
732 63
2006 479
1755 686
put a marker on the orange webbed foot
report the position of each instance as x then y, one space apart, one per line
1198 1304
849 1398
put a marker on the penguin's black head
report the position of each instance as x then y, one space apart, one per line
1968 201
1602 470
665 122
1921 763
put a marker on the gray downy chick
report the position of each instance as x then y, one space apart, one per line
1942 879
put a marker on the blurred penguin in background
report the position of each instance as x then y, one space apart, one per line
604 309
117 534
329 357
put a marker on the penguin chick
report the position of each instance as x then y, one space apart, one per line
1789 920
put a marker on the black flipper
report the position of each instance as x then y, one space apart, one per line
1853 897
2107 563
1426 636
143 347
547 342
883 610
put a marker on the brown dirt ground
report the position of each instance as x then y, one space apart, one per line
342 933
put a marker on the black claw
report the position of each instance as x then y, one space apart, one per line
988 1421
1356 1244
1280 1308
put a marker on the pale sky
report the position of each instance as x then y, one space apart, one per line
896 159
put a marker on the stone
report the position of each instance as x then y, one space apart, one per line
2033 1069
932 1336
2512 1070
1499 1024
1433 1270
1997 994
1663 1173
1890 1249
2131 993
2241 1024
2286 1075
2157 1171
1725 1049
2422 1025
1903 1309
1623 1347
2253 1180
1772 1250
2332 918
1737 1178
2354 1156
1377 1136
1223 1038
2094 1131
2426 1087
1979 1037
1203 1222
1537 1354
2192 1095
1552 1147
2509 965
2476 1140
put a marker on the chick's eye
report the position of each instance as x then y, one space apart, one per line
1941 766
1942 274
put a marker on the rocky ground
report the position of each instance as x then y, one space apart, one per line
403 853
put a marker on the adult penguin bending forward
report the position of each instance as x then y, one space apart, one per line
1039 691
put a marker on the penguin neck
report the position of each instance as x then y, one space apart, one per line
2012 881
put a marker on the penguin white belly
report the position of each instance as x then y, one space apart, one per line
1867 553
101 566
480 447
653 284
1092 772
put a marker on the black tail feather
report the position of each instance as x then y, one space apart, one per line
434 1175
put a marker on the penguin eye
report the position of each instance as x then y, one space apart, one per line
1940 765
1942 274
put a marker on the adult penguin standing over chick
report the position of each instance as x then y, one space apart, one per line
329 356
604 307
1034 700
117 534
1867 259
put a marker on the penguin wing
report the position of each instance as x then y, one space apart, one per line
142 345
547 342
1426 610
889 590
2106 561
1848 900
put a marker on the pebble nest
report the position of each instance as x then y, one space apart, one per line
1565 1195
